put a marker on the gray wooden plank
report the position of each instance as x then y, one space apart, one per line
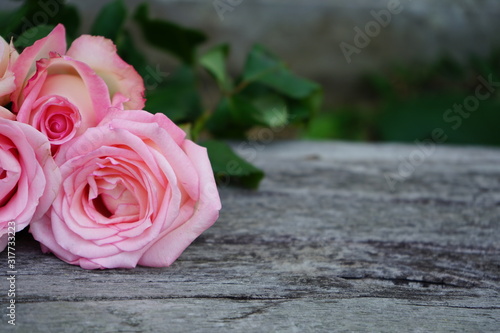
292 315
325 244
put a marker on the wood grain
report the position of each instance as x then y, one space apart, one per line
324 245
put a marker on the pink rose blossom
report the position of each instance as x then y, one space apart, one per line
134 191
29 177
63 93
8 55
63 99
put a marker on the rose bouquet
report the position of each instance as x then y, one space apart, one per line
101 182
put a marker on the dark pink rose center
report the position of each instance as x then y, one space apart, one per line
57 118
58 124
101 207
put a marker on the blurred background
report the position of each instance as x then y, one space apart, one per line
390 70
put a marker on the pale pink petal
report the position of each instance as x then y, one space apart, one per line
7 86
80 95
96 87
4 56
139 116
41 230
118 101
100 54
25 65
120 260
22 171
78 246
34 171
170 245
13 55
8 55
6 114
49 167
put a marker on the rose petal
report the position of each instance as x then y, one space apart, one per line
139 117
42 231
37 176
25 65
100 54
172 243
8 55
6 114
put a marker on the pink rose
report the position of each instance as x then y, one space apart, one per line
63 93
134 191
8 56
29 177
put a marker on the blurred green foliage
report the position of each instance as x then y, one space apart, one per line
408 103
266 94
404 104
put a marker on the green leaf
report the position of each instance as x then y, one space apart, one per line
221 123
304 109
214 61
110 20
170 37
31 35
177 98
263 67
272 110
231 169
264 110
243 111
236 114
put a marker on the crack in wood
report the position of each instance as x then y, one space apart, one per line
458 306
258 310
405 281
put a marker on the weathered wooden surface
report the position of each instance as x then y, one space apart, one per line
324 245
